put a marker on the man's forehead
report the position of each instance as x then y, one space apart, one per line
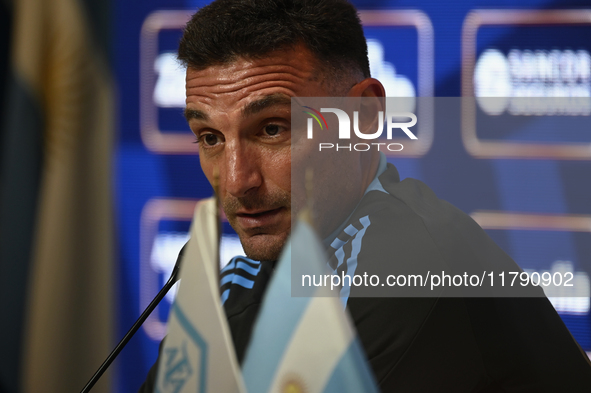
254 106
219 73
251 85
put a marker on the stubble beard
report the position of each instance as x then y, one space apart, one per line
264 244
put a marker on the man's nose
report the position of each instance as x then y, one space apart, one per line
243 172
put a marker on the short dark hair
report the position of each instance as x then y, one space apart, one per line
225 30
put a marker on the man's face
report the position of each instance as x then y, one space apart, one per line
240 114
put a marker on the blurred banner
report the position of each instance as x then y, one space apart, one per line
56 228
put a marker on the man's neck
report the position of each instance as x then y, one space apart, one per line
373 162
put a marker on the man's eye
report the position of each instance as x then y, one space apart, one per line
272 129
210 139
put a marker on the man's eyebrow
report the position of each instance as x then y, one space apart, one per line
265 102
196 114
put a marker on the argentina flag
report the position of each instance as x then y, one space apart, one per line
198 355
304 344
57 216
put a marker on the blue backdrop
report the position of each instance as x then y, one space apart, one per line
425 51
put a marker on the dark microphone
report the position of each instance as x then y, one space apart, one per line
174 276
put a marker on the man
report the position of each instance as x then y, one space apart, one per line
246 60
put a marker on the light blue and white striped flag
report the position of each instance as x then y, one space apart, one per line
198 354
304 344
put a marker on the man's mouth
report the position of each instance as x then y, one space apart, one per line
258 219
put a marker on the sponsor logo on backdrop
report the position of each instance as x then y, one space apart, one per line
534 74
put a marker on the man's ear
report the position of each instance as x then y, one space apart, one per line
372 100
368 87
